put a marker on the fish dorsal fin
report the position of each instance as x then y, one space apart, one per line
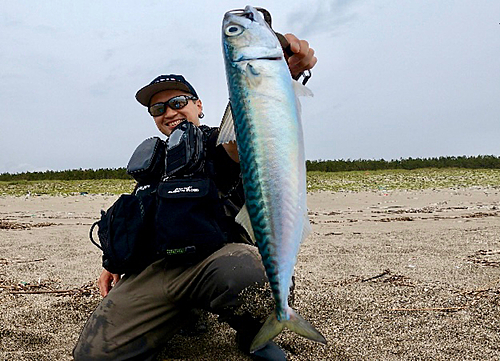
243 219
226 128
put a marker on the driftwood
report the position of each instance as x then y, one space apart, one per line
66 292
47 287
386 272
5 224
442 309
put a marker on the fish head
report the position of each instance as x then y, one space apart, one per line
247 36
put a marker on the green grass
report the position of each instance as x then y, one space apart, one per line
403 179
70 187
316 181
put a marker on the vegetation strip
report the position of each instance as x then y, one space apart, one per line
341 165
355 181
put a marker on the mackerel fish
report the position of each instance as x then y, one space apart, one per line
267 127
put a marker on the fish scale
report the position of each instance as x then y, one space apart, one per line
253 192
268 129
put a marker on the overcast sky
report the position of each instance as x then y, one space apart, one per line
394 79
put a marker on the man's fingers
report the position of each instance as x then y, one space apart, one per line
294 42
304 61
116 278
106 281
295 47
303 57
103 287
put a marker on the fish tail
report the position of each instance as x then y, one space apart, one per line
272 327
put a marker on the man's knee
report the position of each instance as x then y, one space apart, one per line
234 269
240 267
90 345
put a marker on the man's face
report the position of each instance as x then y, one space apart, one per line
171 118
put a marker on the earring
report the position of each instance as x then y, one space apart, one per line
201 115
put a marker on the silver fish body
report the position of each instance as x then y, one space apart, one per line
266 119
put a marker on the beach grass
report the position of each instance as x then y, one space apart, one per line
353 181
67 187
425 178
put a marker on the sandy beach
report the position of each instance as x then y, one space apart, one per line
386 275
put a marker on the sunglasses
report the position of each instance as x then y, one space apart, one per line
174 103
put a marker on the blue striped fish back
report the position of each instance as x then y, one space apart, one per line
254 197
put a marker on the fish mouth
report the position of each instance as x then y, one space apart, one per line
272 58
249 19
250 13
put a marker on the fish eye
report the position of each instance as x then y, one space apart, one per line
233 30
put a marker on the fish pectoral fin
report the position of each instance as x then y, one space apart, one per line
252 76
226 128
301 90
272 327
243 219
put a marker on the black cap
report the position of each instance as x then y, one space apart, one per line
163 82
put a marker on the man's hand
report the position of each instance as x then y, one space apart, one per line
106 281
232 151
303 57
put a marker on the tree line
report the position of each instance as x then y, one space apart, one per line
471 162
72 174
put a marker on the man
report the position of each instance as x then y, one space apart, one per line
140 312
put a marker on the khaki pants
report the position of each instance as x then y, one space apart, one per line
143 311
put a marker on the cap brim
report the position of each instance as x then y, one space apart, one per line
145 94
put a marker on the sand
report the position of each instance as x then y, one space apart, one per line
392 275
